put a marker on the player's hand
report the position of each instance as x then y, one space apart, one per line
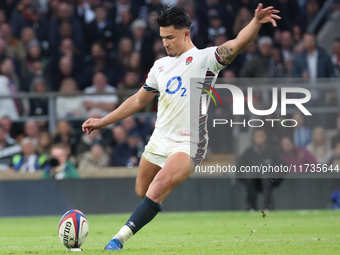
266 15
91 124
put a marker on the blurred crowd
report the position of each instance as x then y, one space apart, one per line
298 145
101 46
301 150
64 150
107 46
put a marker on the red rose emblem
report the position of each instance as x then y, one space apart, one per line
188 60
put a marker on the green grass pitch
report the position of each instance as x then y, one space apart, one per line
280 232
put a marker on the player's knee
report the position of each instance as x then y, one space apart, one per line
160 187
140 191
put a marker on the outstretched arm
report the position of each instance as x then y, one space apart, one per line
229 50
130 106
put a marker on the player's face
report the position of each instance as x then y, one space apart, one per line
173 40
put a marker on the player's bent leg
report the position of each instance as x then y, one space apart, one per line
177 169
145 175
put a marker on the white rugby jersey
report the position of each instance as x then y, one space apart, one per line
170 76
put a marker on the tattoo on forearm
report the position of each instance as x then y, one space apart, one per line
225 53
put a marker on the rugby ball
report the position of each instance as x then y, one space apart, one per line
73 229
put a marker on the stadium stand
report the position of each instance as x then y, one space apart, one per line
55 51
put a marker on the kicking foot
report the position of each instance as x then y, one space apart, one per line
113 245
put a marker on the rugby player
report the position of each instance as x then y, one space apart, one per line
179 140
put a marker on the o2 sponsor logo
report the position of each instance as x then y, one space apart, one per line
179 87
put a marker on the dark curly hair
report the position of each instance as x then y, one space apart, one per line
173 15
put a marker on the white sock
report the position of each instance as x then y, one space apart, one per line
124 234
